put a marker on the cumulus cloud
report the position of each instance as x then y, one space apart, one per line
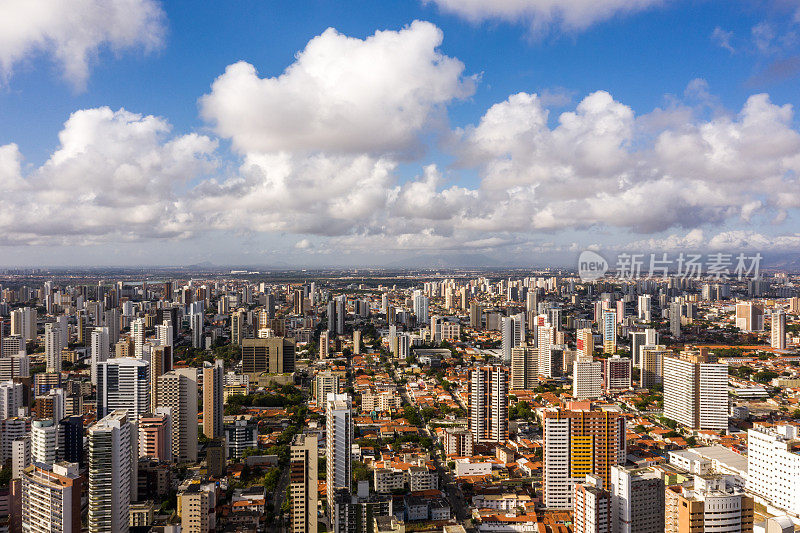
342 94
74 32
116 175
542 15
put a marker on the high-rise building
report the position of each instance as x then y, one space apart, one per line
778 330
100 348
338 441
587 379
275 355
712 504
675 312
240 435
23 323
21 456
585 343
137 334
488 404
513 334
197 505
576 444
13 345
749 317
637 500
524 368
44 441
356 342
196 327
475 315
648 337
160 363
303 473
70 436
238 326
123 383
652 365
155 436
617 374
592 507
212 398
324 345
112 480
52 347
458 442
696 390
609 331
772 466
164 334
325 383
545 338
10 399
51 498
643 308
420 304
177 390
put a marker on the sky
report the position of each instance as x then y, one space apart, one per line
363 133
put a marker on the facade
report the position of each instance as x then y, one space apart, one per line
778 330
275 355
197 508
513 334
592 507
338 441
637 500
696 391
458 442
177 391
111 473
52 347
585 341
212 398
587 379
609 331
51 498
652 365
773 466
10 399
749 317
577 444
488 404
524 368
155 437
123 383
44 441
240 435
325 383
617 375
711 505
303 472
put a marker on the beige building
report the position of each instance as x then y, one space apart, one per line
711 505
303 492
177 390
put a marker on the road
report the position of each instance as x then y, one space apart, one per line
447 482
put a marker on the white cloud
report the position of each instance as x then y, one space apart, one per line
723 39
73 32
544 14
342 94
116 175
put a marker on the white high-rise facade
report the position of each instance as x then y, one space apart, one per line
164 334
488 404
100 348
338 442
52 347
137 333
513 334
778 330
51 498
696 391
111 473
773 466
420 303
643 309
587 379
637 500
44 441
123 383
10 399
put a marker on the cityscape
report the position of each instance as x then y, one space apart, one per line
411 266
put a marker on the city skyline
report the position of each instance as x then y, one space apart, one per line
510 134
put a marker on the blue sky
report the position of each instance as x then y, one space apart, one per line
644 59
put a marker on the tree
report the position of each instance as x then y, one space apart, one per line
360 472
